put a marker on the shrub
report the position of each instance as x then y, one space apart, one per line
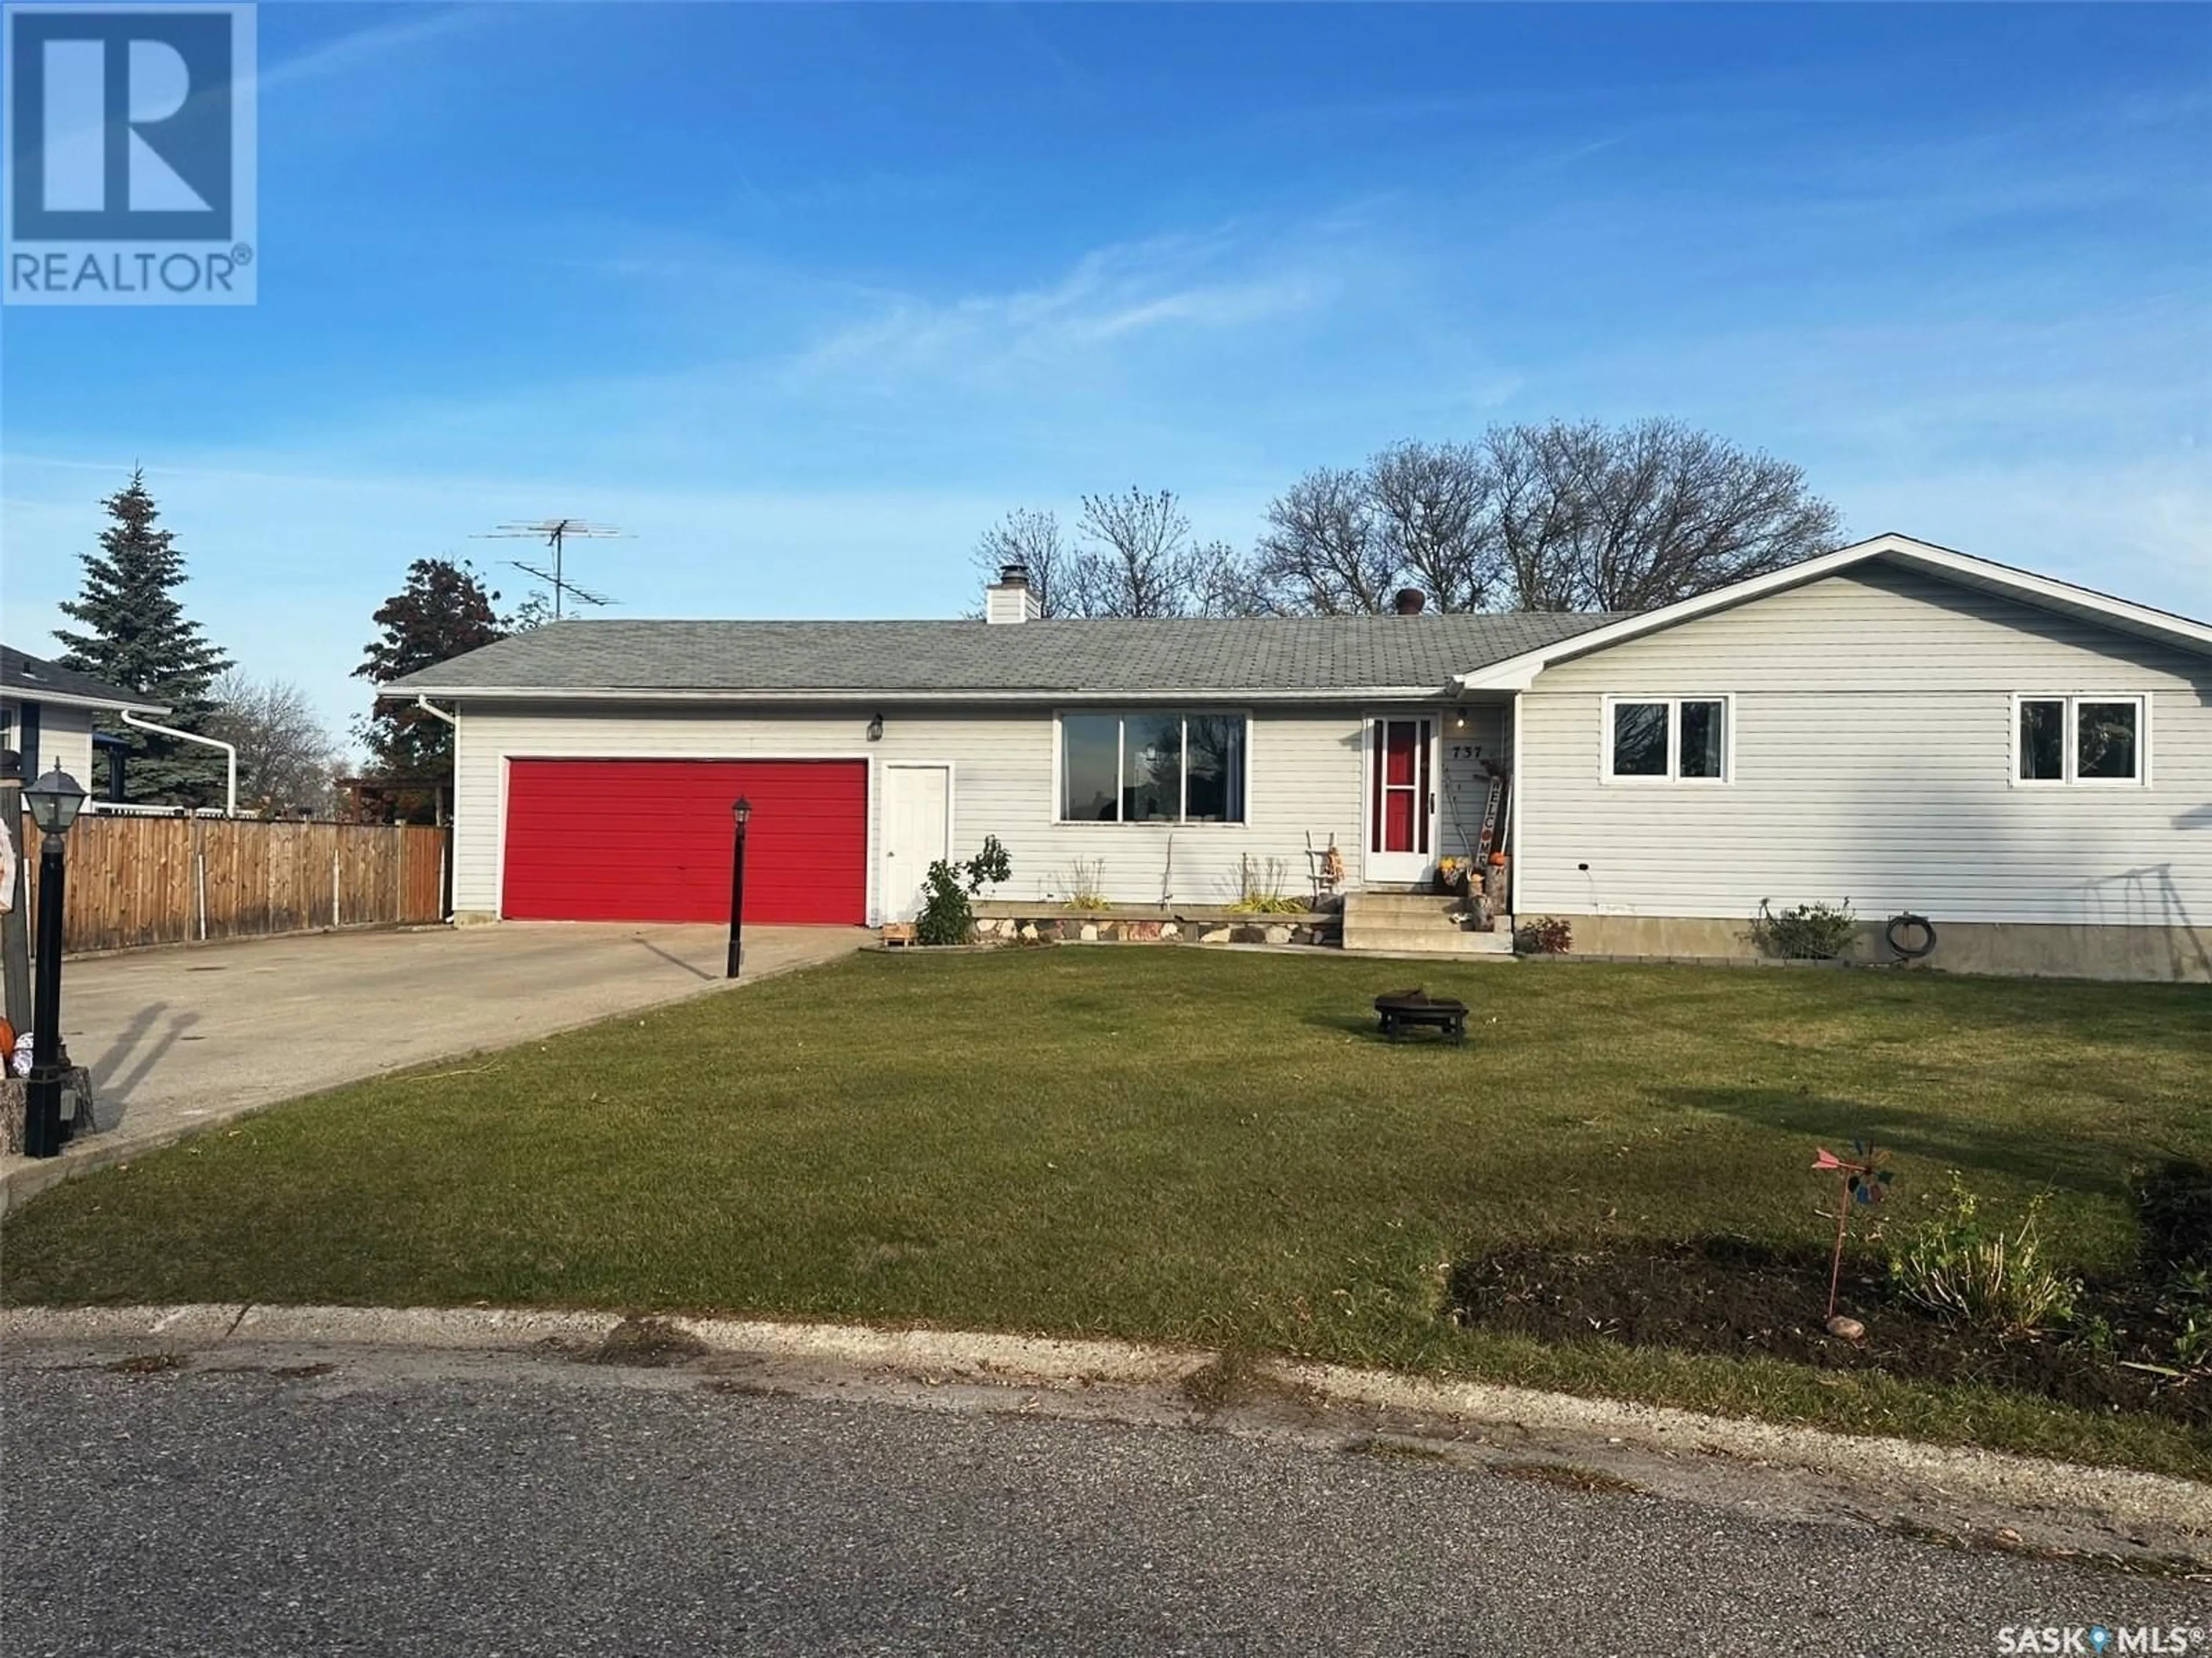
2174 1205
1967 1272
2188 1302
1805 932
947 916
1543 935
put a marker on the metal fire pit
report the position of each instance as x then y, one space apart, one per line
1405 1011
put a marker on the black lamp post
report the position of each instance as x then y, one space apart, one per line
53 801
741 809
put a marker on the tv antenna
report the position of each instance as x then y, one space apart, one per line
555 533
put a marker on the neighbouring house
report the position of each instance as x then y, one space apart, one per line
46 714
2024 762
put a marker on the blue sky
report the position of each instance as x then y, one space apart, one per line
805 297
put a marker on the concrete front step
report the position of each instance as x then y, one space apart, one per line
1424 923
1426 941
1404 903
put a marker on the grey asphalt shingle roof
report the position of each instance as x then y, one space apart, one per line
31 679
1321 654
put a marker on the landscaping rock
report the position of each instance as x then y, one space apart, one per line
1218 935
1276 935
1089 933
12 1091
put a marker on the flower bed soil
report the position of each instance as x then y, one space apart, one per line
1729 1295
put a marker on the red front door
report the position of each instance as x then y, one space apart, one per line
653 840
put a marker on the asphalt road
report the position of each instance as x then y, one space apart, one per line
249 1513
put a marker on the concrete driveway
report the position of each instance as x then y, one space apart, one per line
177 1039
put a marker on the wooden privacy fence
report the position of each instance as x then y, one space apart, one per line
180 880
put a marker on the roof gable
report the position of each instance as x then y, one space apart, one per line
1962 569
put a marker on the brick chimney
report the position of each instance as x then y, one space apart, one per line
1409 600
1009 598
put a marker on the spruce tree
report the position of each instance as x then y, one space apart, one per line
444 610
137 636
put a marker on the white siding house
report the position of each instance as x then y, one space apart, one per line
2026 764
1872 721
46 715
1304 765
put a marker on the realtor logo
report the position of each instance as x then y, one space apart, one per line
129 136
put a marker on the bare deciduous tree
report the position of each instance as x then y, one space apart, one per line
1552 517
1137 557
1435 515
1320 553
1556 516
1031 540
286 757
1223 582
1598 518
1539 501
1341 542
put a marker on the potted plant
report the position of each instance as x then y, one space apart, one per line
1453 875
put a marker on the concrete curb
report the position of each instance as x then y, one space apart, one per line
2122 1496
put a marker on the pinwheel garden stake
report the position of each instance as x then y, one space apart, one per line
1861 1179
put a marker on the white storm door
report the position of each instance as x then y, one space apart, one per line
917 832
1401 799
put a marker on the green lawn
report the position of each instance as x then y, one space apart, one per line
1181 1145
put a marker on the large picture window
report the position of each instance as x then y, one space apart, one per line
1151 767
1676 739
2079 739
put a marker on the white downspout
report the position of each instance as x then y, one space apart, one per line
423 702
229 750
450 814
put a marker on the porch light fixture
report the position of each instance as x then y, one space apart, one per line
876 728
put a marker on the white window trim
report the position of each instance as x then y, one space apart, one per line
1674 778
1184 711
2070 742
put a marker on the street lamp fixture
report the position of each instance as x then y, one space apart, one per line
54 802
741 811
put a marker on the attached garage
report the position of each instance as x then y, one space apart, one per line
651 841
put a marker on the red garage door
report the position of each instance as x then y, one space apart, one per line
650 839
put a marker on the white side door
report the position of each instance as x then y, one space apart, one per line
917 832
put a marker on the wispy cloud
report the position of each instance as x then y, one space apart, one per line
351 51
1208 283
